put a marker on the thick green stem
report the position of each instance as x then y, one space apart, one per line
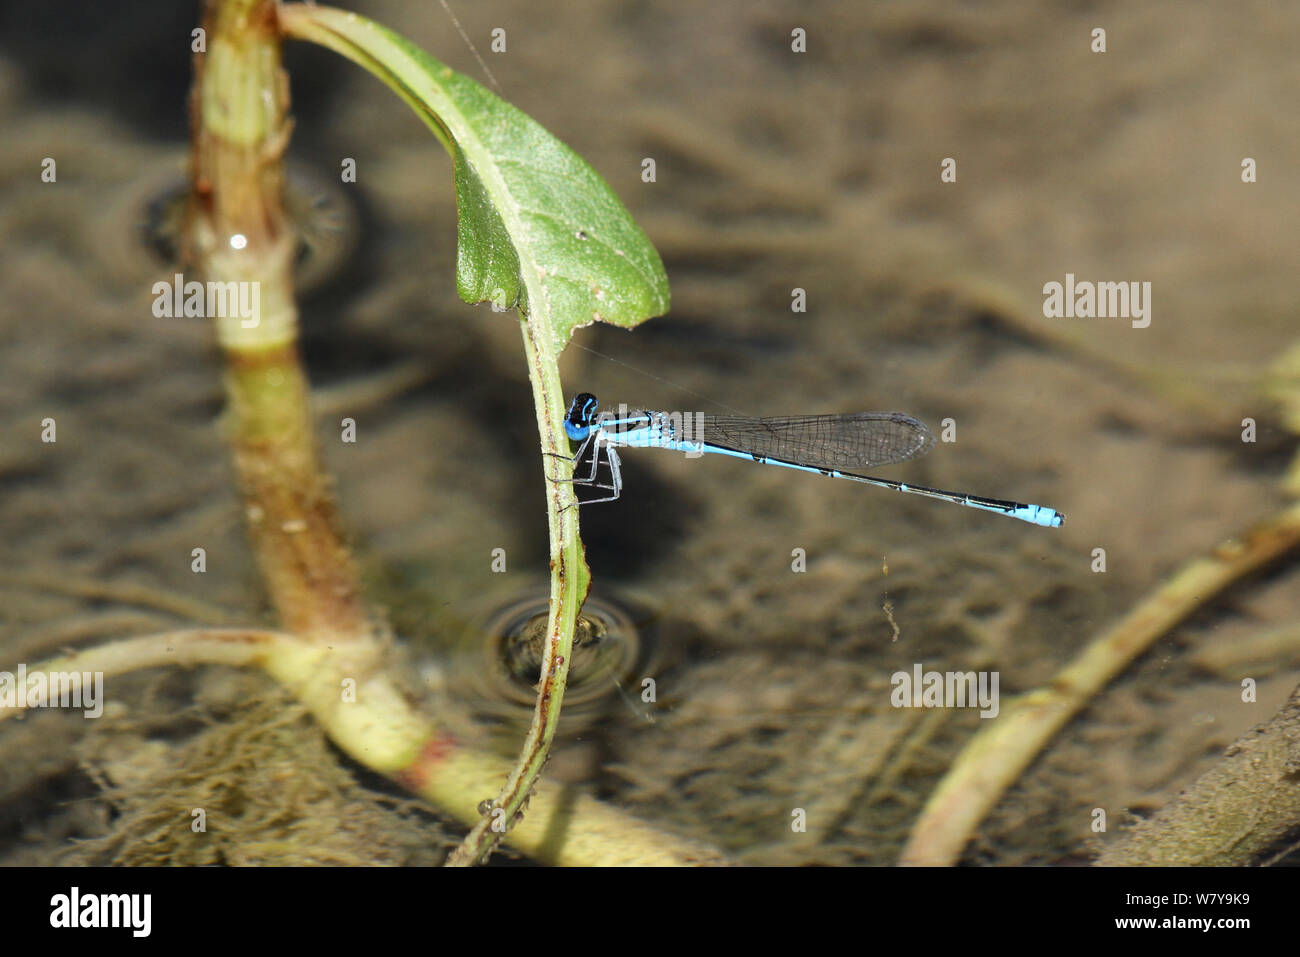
240 233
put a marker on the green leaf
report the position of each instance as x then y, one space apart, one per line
537 226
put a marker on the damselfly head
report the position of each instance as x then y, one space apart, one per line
582 412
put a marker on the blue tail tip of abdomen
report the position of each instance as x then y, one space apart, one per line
1040 515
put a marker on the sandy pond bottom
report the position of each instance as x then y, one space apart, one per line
819 173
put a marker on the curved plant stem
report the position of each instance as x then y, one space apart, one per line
570 580
238 647
996 756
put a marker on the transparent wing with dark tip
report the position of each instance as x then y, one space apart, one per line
852 440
